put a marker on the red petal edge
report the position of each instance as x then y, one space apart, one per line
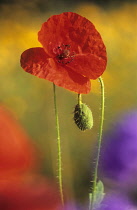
88 65
36 62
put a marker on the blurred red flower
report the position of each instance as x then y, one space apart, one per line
20 189
73 53
34 194
17 154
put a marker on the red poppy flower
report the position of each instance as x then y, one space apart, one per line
17 155
73 53
20 190
35 194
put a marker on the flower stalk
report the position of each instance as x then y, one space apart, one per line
79 99
59 147
95 176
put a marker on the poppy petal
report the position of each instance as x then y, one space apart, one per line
88 65
68 79
71 29
35 61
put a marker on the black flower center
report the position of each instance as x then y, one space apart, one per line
64 54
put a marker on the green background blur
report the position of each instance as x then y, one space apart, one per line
31 98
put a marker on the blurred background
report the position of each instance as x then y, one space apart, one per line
30 99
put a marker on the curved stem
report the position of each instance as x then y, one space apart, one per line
99 143
59 147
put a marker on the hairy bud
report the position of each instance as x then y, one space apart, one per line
83 117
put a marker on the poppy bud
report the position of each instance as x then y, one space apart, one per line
83 117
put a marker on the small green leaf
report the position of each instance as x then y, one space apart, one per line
98 195
99 191
90 200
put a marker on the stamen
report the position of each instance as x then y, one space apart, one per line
64 54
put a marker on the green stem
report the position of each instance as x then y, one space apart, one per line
59 147
99 144
79 98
